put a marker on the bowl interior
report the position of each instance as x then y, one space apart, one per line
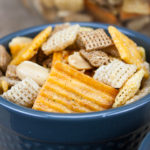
31 32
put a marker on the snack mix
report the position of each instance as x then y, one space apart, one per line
73 69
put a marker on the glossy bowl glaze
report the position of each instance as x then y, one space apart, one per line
116 129
145 145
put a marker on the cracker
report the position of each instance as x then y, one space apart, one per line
78 62
111 50
93 40
95 58
11 71
136 6
115 73
5 58
61 40
129 89
128 50
28 53
24 93
19 43
69 91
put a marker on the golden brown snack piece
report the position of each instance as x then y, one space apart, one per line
61 40
141 93
95 58
1 73
32 70
4 86
136 6
128 49
19 43
130 88
111 50
24 93
48 62
115 73
10 81
39 57
5 58
78 62
93 40
28 53
100 13
142 52
11 71
124 16
71 5
57 56
68 91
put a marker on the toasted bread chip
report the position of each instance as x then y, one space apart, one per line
5 58
128 50
28 53
115 73
95 58
11 71
93 40
60 27
71 5
19 43
69 91
61 40
129 89
141 93
78 62
32 70
24 93
136 6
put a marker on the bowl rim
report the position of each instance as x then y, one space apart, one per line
14 108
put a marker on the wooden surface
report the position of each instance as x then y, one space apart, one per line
13 17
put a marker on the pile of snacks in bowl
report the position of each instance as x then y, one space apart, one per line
73 69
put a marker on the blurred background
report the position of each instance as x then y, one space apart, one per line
20 14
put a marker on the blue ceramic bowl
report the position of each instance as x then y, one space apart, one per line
115 129
145 145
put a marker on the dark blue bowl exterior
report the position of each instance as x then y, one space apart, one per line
145 145
120 128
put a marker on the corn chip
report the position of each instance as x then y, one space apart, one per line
29 52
